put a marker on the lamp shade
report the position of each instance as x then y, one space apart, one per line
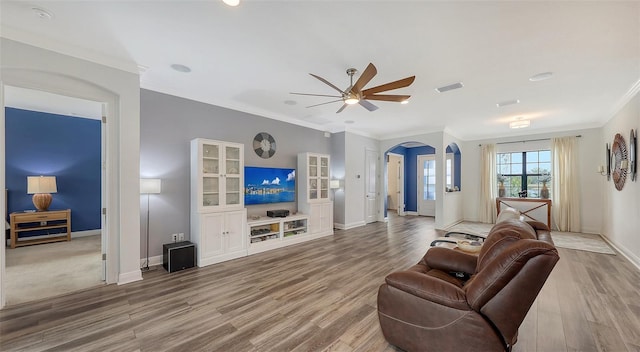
41 184
149 185
334 184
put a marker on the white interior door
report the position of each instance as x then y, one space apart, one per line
427 185
371 161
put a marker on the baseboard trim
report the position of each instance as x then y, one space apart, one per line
415 213
451 225
126 278
624 252
86 233
348 226
157 260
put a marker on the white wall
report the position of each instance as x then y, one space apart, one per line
30 67
590 155
621 209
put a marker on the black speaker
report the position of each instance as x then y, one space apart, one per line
178 256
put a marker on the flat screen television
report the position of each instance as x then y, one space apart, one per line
264 185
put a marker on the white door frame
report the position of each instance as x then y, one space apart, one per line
423 209
73 87
400 193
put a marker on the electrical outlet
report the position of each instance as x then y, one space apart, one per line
174 237
181 236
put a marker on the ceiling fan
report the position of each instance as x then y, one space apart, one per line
355 94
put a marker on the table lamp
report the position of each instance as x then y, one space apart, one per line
41 187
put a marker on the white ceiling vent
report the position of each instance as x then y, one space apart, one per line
449 87
508 102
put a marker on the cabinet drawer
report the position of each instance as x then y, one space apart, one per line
35 217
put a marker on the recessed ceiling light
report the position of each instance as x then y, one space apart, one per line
541 76
449 87
231 2
519 123
290 102
181 68
405 102
349 122
508 102
42 13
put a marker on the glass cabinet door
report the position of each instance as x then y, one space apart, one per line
210 175
324 167
313 188
313 166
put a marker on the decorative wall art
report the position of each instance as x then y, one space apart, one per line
633 163
620 162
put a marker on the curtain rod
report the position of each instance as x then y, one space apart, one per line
529 140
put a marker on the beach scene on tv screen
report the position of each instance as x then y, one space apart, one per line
269 185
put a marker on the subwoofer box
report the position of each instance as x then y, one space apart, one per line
178 256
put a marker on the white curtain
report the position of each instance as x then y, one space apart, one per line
565 181
488 183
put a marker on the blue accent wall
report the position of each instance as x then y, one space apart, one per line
55 145
457 164
411 173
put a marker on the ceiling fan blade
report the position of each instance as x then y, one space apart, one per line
329 102
405 82
318 95
387 97
342 108
367 105
365 77
327 83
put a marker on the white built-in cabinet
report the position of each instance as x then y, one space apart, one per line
314 200
218 217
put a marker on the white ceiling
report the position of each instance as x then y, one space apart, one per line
251 57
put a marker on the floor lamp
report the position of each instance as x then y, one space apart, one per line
149 186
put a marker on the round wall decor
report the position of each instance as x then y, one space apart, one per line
264 145
619 151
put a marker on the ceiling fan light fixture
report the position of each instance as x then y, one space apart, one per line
351 99
405 102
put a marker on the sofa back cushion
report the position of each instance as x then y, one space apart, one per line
500 237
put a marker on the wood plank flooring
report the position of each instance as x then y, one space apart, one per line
316 296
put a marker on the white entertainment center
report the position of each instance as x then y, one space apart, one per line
219 224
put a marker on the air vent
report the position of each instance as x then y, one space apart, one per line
508 102
449 87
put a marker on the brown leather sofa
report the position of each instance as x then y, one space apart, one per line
453 301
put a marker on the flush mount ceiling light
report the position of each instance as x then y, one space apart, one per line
181 68
231 2
541 76
519 123
404 102
42 13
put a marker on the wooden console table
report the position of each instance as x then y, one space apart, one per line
37 221
528 207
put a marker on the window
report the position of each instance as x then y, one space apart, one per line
519 171
449 171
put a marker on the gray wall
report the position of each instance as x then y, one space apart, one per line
338 171
169 123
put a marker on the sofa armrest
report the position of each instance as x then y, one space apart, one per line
448 260
429 288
